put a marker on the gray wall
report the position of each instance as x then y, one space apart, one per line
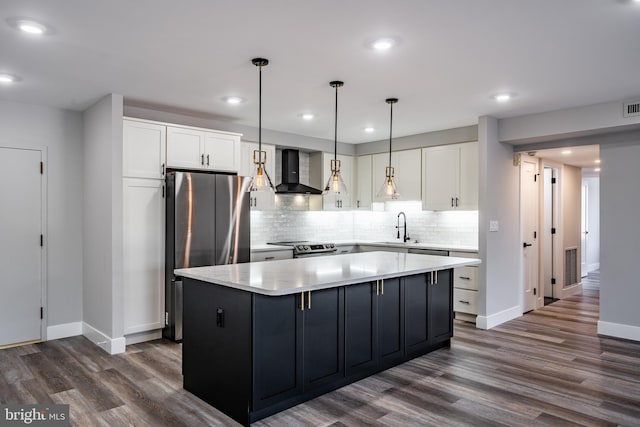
60 133
498 200
249 133
102 230
620 234
442 137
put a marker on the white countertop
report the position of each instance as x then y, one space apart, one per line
290 276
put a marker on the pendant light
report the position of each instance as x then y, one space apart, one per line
335 185
261 180
389 190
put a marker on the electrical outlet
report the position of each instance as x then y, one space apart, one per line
494 226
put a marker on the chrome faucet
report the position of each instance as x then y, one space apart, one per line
405 238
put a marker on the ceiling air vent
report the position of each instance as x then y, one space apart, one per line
631 109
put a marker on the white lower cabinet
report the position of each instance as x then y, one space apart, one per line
465 288
271 255
143 254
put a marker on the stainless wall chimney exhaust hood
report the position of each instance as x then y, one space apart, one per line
291 175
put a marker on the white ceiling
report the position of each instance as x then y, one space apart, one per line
451 57
583 156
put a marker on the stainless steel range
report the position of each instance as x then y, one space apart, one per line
304 248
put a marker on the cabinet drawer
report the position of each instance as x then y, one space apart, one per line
465 301
466 277
271 255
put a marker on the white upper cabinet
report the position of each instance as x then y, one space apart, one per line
363 191
144 148
259 200
407 166
319 173
201 149
450 177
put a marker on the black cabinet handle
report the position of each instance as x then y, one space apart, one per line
207 160
202 159
464 278
268 258
463 302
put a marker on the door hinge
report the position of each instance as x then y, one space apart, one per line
553 180
41 312
41 240
163 191
166 318
535 177
41 168
534 291
535 234
553 230
553 280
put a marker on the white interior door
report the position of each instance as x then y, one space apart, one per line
529 227
20 249
546 249
584 240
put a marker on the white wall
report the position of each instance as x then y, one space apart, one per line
619 241
593 222
60 133
102 230
500 281
571 182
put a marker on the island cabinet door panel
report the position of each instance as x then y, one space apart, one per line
390 323
416 314
277 349
361 326
441 307
216 346
323 337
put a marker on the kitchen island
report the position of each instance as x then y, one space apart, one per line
262 337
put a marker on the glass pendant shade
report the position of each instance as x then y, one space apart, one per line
389 190
335 184
260 180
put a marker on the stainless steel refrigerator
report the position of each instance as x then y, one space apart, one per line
208 223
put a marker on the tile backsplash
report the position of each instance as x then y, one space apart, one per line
291 223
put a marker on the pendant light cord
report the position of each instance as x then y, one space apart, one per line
259 115
390 133
335 131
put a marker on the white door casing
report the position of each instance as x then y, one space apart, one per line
21 253
584 229
529 229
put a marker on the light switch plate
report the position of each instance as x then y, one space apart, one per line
494 226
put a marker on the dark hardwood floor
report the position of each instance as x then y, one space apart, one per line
548 367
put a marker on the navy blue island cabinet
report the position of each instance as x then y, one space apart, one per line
251 355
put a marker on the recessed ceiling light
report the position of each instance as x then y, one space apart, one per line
502 97
8 78
308 116
383 44
369 129
598 160
566 151
234 100
31 27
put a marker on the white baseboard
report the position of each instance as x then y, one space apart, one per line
64 330
108 344
143 336
493 320
619 330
